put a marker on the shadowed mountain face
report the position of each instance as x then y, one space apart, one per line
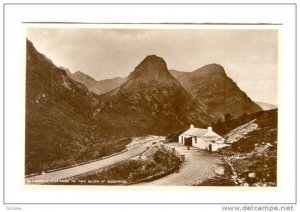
66 123
214 90
58 110
150 101
211 86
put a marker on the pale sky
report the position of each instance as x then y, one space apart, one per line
248 56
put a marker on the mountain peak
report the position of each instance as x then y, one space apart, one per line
82 76
212 69
79 73
211 85
151 67
153 58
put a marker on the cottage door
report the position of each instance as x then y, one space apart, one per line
210 148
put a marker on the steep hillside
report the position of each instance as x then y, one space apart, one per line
225 126
150 101
251 159
58 112
217 91
67 123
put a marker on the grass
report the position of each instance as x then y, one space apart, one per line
264 118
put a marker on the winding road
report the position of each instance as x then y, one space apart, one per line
84 168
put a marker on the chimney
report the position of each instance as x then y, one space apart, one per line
192 126
209 128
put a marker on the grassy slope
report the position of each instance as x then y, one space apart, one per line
58 118
255 153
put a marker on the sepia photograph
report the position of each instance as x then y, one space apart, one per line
151 105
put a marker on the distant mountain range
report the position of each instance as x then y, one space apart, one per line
266 106
209 85
186 78
66 117
98 87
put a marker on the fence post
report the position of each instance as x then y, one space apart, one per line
173 151
182 157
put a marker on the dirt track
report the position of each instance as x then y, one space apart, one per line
199 165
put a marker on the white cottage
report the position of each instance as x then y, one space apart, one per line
202 138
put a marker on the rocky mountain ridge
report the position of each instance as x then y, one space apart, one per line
67 123
151 100
210 85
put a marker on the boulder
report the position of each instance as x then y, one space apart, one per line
252 175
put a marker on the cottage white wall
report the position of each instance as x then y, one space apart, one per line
198 142
215 147
194 141
180 139
206 146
